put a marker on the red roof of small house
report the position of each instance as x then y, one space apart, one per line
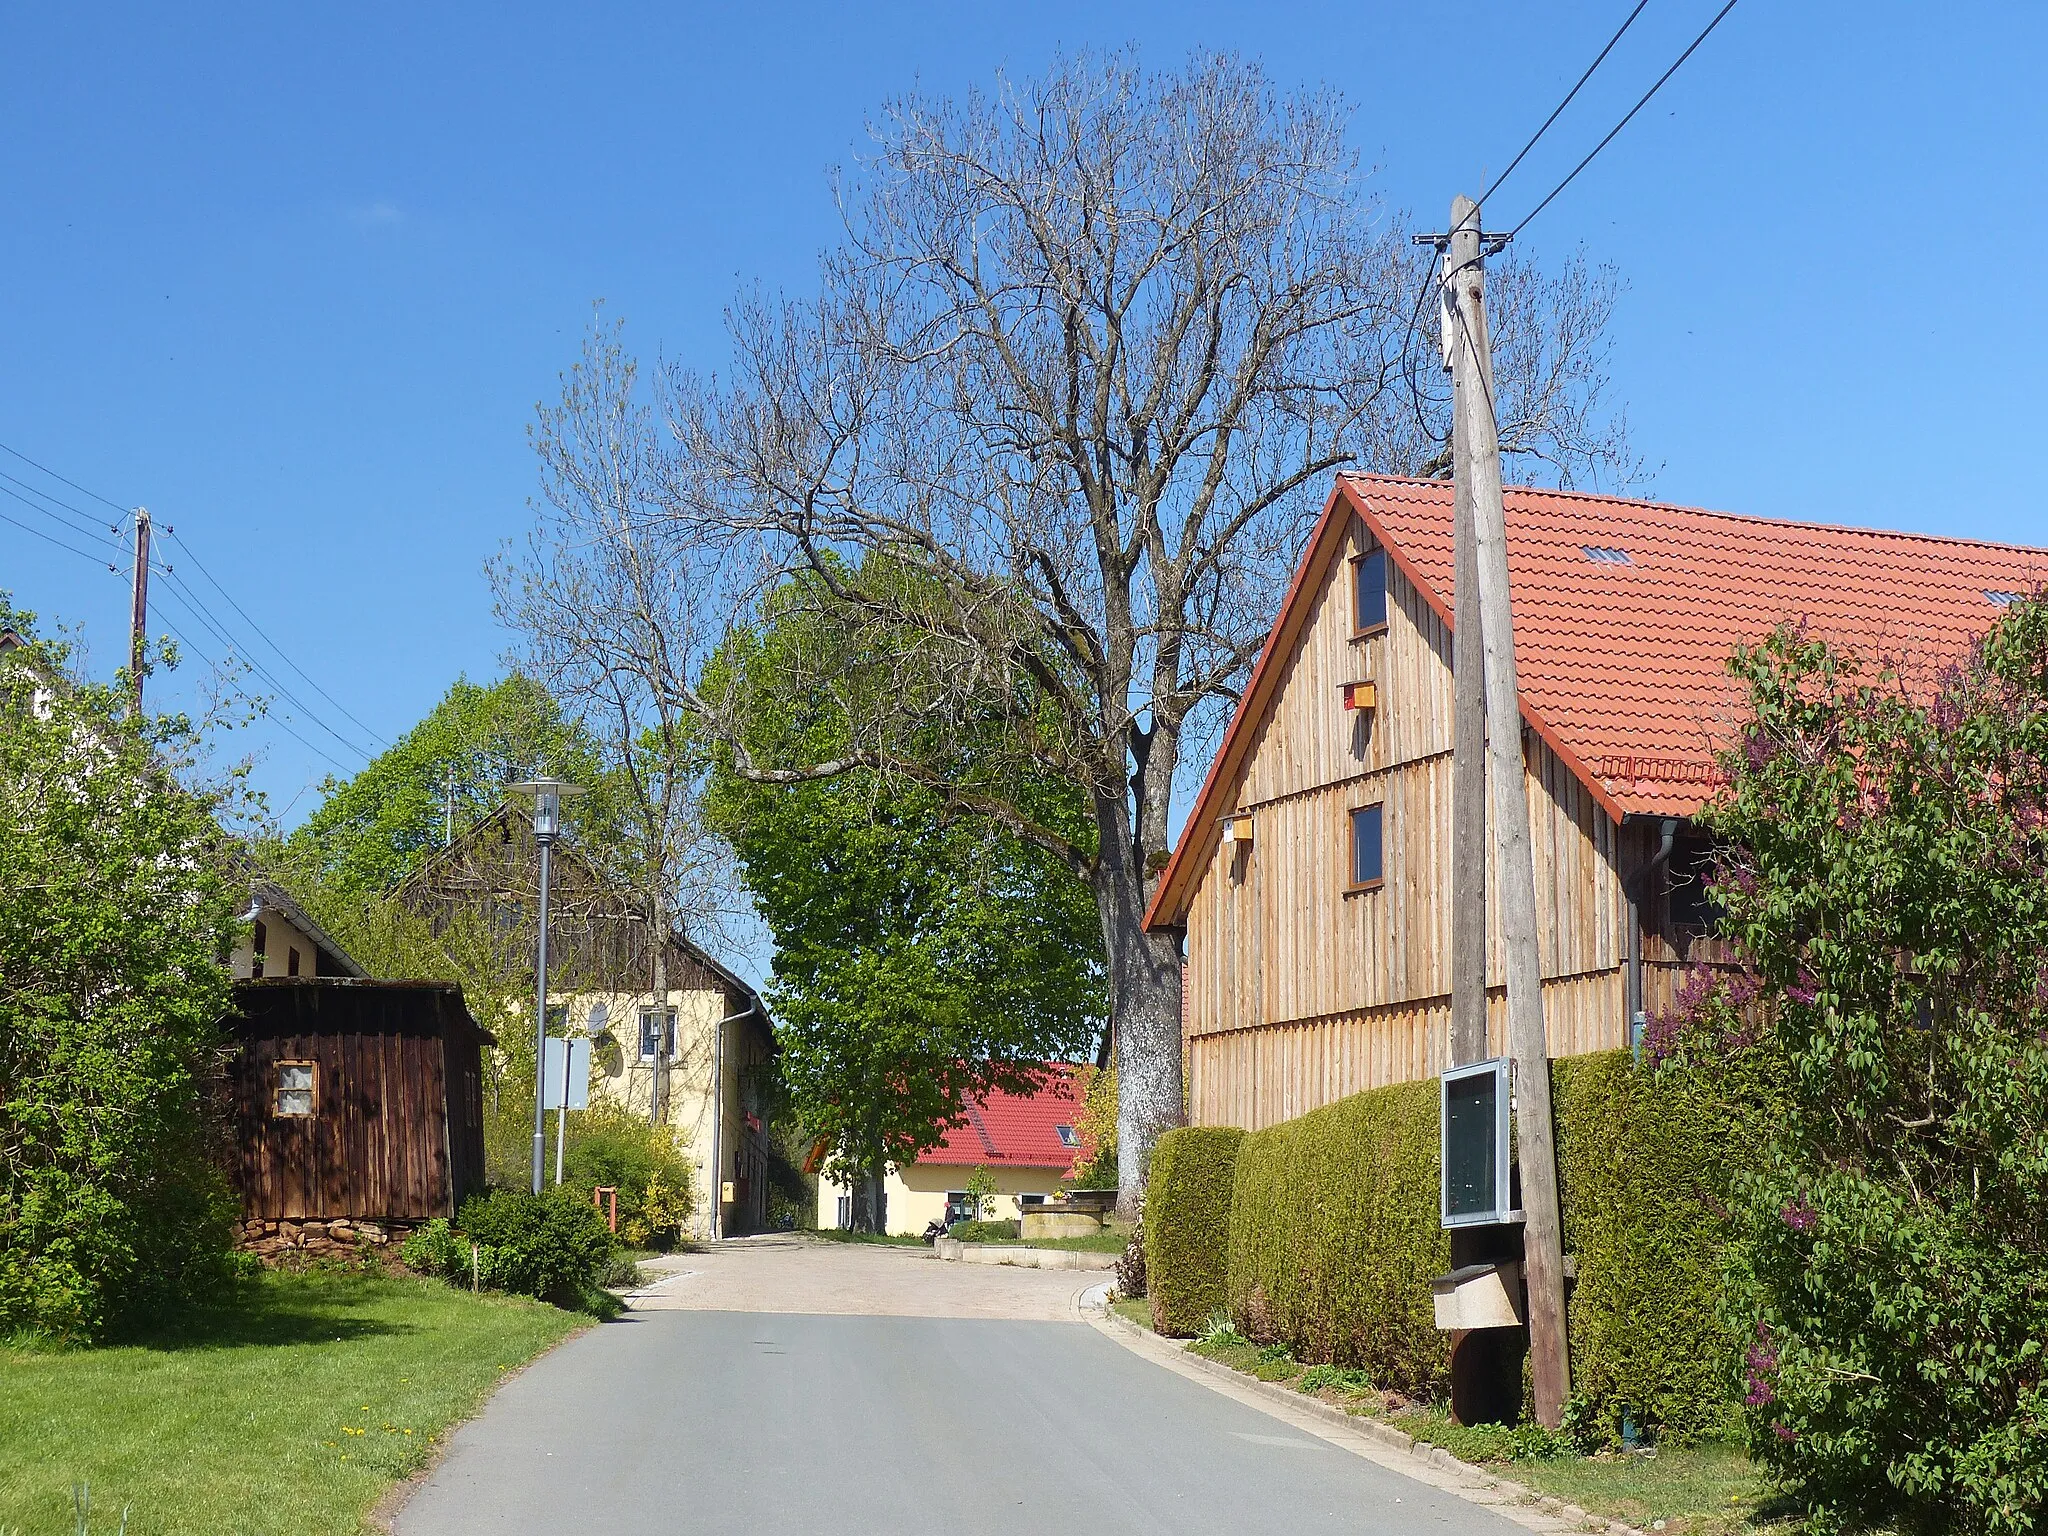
1016 1130
1625 615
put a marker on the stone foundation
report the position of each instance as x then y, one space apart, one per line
295 1241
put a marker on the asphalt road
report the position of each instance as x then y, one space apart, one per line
772 1422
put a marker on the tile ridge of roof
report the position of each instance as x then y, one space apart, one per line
1735 517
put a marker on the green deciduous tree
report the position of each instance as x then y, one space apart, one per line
923 954
1888 880
115 921
372 830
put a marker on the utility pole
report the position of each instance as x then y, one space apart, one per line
1478 469
138 621
1468 754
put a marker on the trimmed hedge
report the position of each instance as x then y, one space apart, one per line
1335 1236
1645 1159
1188 1225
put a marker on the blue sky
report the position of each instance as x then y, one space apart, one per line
297 280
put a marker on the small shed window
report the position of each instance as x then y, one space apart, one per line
1368 863
297 1088
657 1033
1369 592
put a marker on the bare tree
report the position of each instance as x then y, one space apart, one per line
1083 365
610 621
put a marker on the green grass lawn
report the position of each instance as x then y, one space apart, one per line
286 1411
894 1240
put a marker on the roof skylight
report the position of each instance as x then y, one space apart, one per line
2004 599
1601 555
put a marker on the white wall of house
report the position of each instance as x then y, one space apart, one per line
621 1074
280 939
916 1195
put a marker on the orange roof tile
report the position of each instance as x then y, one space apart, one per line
1014 1129
1622 661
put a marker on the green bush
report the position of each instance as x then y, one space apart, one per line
434 1248
115 913
1335 1235
553 1246
1646 1160
610 1145
1188 1226
984 1231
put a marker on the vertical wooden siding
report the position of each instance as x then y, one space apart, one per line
1299 992
396 1134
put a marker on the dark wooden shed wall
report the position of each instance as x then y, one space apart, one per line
397 1133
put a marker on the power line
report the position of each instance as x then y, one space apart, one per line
223 591
53 539
91 523
205 616
95 495
1568 95
196 609
1632 111
259 706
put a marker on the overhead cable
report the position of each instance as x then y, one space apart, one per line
1632 111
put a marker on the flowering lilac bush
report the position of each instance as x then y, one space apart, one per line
1888 884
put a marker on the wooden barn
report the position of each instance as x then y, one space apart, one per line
1313 880
354 1101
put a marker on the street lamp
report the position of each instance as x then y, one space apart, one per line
547 826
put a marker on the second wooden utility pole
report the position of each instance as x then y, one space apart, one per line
138 620
1477 471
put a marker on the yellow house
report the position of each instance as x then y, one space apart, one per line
1027 1142
680 1038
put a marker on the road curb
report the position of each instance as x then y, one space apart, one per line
1516 1501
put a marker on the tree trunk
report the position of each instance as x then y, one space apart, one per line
1144 980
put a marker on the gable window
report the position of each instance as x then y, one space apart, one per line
256 949
291 964
1369 593
1368 862
657 1033
297 1089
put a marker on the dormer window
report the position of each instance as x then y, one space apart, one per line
1369 593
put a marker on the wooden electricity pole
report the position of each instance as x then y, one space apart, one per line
1468 756
138 621
1477 473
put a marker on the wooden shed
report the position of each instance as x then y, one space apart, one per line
355 1099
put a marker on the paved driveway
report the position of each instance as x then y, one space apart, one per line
855 1416
793 1274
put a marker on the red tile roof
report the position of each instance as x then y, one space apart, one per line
1622 661
1014 1129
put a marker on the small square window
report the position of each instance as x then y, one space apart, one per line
1367 854
297 1083
1369 592
1069 1137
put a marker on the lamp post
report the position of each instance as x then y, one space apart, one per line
547 826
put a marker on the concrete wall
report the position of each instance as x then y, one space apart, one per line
917 1194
